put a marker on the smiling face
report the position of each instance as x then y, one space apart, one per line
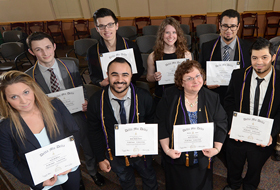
228 35
192 86
119 76
169 35
20 97
44 51
108 34
261 61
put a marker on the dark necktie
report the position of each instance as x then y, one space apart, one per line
54 82
122 111
226 56
257 96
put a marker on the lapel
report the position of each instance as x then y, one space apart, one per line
201 116
217 52
108 106
64 74
132 108
40 79
246 93
30 137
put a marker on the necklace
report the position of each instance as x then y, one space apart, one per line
191 104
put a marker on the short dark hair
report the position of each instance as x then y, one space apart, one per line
102 13
38 36
231 14
118 60
262 43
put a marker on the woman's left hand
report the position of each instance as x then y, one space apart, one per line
64 173
210 152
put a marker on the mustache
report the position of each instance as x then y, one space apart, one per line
120 82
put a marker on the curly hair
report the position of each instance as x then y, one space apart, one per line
181 43
184 68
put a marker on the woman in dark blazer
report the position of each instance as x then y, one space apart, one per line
188 102
32 120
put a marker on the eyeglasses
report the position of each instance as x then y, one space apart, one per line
190 79
225 27
109 25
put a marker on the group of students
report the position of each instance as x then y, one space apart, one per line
32 120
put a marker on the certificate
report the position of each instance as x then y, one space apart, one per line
219 72
251 128
106 58
136 138
167 69
193 137
72 98
53 159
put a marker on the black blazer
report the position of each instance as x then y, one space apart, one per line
232 100
12 150
166 111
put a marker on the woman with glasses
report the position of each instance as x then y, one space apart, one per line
188 102
170 44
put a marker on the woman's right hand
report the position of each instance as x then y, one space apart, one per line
50 182
174 154
157 76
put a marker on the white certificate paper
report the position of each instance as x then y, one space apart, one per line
167 69
219 72
136 138
106 58
251 128
193 137
52 159
72 98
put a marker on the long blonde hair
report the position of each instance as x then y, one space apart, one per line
180 44
42 101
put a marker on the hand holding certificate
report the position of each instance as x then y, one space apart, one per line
251 128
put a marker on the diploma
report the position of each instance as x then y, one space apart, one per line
137 138
53 159
72 98
193 137
106 58
251 128
167 69
219 72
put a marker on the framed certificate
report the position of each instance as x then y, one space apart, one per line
251 128
136 138
193 137
53 159
72 98
219 72
167 69
106 58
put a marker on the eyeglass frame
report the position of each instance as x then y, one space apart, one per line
229 27
103 27
190 79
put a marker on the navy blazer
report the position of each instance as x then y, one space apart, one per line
12 150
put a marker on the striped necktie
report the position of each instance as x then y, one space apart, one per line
54 82
226 56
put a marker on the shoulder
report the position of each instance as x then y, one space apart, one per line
96 96
209 44
244 44
5 124
172 91
209 94
29 71
66 62
93 48
141 92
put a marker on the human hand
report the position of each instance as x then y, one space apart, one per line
212 86
105 165
104 83
269 142
84 106
50 182
134 156
173 153
64 173
157 76
210 152
234 139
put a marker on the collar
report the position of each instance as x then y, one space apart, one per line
44 69
112 96
266 78
231 45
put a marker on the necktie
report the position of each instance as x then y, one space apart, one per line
54 83
122 111
226 56
257 96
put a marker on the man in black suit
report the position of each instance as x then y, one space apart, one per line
237 48
261 101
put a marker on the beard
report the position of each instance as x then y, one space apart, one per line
227 39
112 86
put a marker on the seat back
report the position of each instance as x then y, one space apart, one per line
145 58
21 25
11 50
150 30
94 34
91 89
185 28
81 46
72 59
275 40
129 32
146 43
143 85
205 29
206 38
12 36
36 27
189 41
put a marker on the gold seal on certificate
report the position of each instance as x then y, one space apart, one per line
251 128
52 159
136 138
219 72
193 137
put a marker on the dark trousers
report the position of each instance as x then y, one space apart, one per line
126 173
73 182
237 154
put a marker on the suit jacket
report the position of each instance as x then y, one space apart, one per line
12 150
95 70
232 100
205 55
166 112
71 66
96 135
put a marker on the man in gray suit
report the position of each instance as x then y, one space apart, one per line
54 75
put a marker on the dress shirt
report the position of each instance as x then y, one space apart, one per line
116 105
231 50
263 88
